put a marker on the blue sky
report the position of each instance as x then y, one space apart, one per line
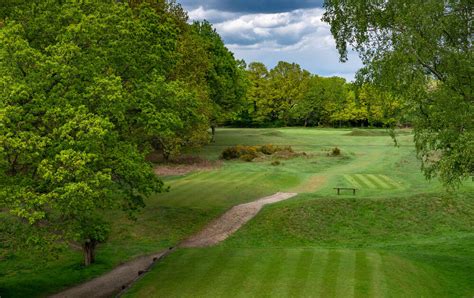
271 31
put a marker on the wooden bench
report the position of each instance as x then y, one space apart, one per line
345 188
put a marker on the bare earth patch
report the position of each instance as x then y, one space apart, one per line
224 226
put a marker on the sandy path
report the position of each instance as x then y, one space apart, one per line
111 283
222 227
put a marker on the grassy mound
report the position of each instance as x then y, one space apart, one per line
356 222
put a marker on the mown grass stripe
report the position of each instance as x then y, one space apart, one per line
359 181
301 273
378 286
203 272
367 181
380 183
205 175
364 181
234 176
317 274
390 181
331 270
285 280
362 275
227 187
270 277
159 281
352 181
186 264
244 265
345 282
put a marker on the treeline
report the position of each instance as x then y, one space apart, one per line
290 96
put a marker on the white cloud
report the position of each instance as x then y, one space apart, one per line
297 36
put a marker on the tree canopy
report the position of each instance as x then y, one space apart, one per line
87 90
421 51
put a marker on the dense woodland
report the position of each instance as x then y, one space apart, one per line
290 96
88 89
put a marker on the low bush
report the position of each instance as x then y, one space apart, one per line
239 151
268 149
335 151
249 153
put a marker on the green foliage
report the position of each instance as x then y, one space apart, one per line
224 75
288 95
422 52
87 90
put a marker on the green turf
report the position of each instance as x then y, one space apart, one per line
289 272
399 236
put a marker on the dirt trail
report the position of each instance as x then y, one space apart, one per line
222 227
115 281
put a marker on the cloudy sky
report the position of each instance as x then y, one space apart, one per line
271 31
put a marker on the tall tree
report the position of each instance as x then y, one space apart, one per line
422 52
225 76
85 92
288 83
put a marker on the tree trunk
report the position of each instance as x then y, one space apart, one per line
213 133
88 249
166 155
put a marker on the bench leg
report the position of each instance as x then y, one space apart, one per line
338 191
353 192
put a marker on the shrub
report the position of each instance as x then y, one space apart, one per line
230 153
249 153
235 152
335 151
268 149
